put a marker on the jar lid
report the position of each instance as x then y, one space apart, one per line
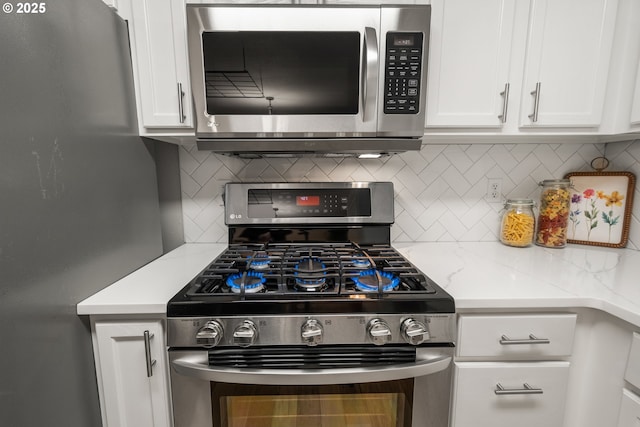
556 182
524 202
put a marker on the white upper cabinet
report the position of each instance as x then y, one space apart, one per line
157 30
488 56
469 62
567 61
635 108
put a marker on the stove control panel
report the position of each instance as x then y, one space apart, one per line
210 334
302 203
379 332
245 334
312 330
414 332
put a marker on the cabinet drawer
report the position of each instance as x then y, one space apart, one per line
516 336
476 402
632 373
629 410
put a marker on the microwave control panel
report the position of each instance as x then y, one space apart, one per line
403 64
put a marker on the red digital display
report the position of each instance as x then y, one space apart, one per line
307 200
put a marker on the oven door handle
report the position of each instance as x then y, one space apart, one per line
195 365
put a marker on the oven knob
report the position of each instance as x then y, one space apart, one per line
210 334
245 334
312 332
414 332
379 331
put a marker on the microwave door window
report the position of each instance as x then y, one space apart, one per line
281 73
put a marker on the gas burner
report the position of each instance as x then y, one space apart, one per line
253 282
361 262
368 281
310 274
259 261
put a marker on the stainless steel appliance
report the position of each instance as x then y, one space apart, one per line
339 80
311 317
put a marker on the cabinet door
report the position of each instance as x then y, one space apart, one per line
567 61
476 403
531 336
629 410
469 58
129 395
635 109
159 54
632 372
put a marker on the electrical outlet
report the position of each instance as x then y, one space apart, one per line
494 190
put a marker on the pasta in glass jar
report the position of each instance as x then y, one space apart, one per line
518 223
553 216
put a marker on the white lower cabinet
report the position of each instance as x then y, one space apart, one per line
512 369
502 394
630 404
629 410
132 373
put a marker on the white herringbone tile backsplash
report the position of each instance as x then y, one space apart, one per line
439 191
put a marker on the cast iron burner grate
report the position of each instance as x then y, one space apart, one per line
263 271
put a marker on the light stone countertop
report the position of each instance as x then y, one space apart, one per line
481 275
494 276
148 289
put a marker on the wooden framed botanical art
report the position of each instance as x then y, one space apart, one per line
600 209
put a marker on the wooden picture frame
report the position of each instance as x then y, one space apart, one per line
600 209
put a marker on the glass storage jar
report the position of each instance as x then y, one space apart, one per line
553 216
518 223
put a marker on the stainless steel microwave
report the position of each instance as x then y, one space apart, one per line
308 79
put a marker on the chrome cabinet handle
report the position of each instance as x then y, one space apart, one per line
147 353
369 72
536 103
505 103
505 340
181 103
527 389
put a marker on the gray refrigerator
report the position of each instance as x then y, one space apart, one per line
79 202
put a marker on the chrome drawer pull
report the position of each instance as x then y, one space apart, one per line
181 114
505 340
500 390
536 103
147 353
505 103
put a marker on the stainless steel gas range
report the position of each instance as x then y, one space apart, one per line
310 317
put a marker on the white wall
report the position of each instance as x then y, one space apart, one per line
439 191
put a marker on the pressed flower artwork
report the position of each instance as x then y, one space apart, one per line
600 207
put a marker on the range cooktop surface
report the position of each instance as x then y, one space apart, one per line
319 277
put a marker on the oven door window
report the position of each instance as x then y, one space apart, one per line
281 72
383 404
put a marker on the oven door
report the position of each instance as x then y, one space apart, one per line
405 395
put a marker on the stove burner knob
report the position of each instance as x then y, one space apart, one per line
312 332
245 334
210 334
414 332
379 331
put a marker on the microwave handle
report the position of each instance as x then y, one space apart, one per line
370 61
195 365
